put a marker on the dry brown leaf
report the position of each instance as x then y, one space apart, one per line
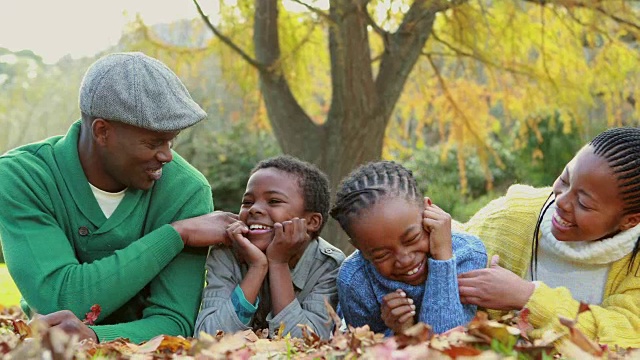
270 346
582 308
487 329
458 351
309 336
22 329
579 338
147 347
418 333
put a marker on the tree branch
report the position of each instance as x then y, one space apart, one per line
404 48
479 58
380 31
617 18
543 53
149 36
285 113
586 5
459 111
315 10
226 40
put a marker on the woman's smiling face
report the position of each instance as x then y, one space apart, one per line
589 205
391 236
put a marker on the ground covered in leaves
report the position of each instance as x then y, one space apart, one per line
480 339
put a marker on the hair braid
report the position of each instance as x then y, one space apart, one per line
369 183
620 147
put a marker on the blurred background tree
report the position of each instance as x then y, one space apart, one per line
471 95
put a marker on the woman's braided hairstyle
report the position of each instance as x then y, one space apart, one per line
369 183
620 148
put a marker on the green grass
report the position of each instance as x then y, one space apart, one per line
9 294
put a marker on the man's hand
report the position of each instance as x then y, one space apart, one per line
437 223
398 311
205 230
290 239
250 253
69 323
494 288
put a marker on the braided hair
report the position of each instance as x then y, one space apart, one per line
367 185
311 180
620 148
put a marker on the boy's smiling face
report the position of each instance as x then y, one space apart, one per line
390 235
272 196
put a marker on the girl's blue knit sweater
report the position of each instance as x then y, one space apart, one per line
361 288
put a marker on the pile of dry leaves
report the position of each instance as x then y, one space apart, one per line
480 339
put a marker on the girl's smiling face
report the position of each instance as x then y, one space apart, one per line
589 205
272 196
391 236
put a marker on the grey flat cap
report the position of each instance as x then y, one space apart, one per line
138 90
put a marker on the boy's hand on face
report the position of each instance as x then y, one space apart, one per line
398 311
437 223
248 251
289 241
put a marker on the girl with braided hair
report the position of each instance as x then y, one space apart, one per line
407 259
584 246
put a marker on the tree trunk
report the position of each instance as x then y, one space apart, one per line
361 105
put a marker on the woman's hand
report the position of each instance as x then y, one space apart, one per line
494 288
437 223
289 241
398 311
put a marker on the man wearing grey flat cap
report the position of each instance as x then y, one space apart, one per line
109 214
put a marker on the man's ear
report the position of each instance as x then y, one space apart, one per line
314 221
100 130
629 221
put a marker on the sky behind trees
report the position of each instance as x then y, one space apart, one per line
53 29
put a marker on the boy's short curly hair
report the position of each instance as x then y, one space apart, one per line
312 181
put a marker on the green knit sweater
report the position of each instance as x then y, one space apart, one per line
63 253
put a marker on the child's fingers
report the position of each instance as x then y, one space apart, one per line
278 231
392 295
396 302
435 213
399 311
300 228
406 317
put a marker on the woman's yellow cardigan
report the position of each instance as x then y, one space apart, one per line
506 226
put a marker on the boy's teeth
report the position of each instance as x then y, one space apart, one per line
258 227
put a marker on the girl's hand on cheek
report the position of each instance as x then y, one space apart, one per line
289 241
398 311
437 223
245 249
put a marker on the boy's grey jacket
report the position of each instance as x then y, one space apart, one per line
314 279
